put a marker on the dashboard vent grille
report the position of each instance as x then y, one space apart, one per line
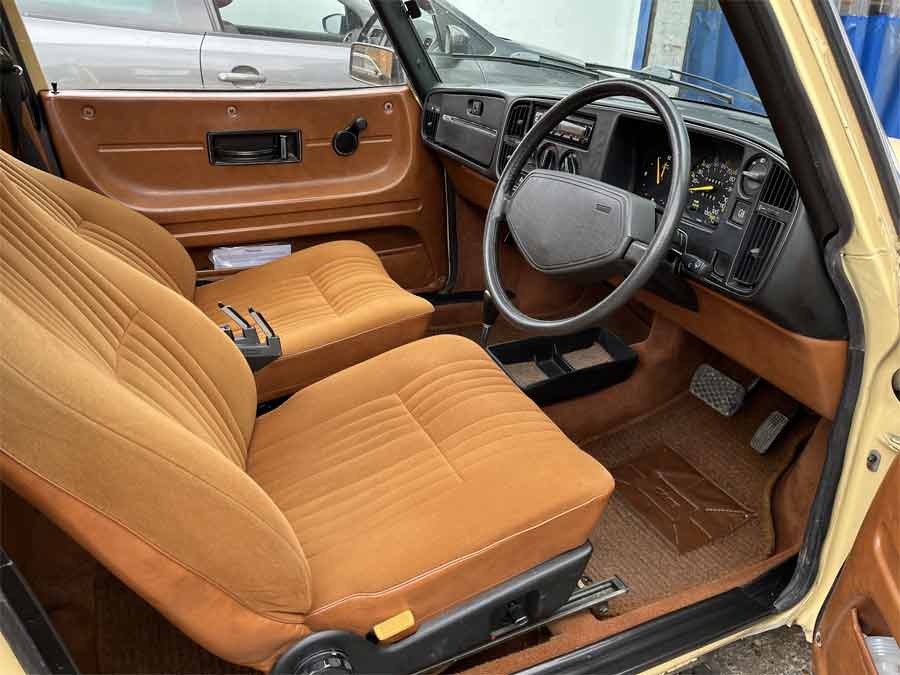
759 243
506 151
519 115
780 190
430 124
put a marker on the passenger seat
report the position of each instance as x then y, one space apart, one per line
333 305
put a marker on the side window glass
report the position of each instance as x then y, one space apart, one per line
313 20
873 30
291 45
118 44
159 15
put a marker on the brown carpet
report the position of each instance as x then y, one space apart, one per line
718 448
134 638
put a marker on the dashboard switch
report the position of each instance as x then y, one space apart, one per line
694 265
741 213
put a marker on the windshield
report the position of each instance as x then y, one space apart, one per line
685 46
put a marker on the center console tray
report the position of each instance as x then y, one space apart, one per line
551 369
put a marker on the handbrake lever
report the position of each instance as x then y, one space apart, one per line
261 322
258 354
235 316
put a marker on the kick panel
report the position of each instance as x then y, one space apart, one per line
151 151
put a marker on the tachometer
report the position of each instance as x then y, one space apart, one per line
712 181
655 179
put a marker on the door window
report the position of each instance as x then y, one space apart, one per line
316 20
163 15
286 45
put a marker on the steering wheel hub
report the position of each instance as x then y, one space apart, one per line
593 224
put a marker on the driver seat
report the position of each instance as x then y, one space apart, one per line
414 481
332 305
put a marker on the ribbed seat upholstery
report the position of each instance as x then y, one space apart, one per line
333 305
430 461
414 480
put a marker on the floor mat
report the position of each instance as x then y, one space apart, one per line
718 455
677 501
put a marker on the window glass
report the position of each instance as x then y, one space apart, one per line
873 30
169 15
224 45
326 20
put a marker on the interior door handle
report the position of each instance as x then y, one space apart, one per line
249 76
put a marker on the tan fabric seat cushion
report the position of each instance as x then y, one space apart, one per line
332 305
125 416
420 478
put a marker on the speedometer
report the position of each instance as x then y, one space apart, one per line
712 181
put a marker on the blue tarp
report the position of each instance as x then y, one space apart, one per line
712 52
876 43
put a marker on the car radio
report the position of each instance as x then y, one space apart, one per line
569 130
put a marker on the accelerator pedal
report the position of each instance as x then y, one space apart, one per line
769 431
717 390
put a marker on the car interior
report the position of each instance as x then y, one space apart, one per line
439 434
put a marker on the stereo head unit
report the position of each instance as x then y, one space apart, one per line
570 130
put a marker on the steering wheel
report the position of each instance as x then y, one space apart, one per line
572 225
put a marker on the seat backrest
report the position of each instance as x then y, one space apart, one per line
126 234
125 416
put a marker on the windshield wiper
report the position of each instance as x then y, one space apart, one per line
532 59
709 80
659 75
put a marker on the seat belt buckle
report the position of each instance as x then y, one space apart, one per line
258 354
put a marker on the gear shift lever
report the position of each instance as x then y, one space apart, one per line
489 314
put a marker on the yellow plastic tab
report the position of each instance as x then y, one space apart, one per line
396 626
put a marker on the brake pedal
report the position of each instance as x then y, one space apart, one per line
717 390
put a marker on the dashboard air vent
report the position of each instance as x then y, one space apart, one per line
430 123
759 243
780 190
506 151
519 116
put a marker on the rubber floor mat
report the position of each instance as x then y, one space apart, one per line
686 508
718 449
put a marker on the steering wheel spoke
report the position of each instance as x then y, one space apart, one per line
573 225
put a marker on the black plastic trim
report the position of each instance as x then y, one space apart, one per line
654 642
26 628
564 381
452 235
32 99
539 592
396 23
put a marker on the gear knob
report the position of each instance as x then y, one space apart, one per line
489 311
489 314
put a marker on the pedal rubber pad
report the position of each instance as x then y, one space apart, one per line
768 431
717 390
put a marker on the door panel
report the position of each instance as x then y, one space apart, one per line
149 151
866 598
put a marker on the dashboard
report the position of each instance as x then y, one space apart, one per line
744 231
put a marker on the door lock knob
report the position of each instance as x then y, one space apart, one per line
346 141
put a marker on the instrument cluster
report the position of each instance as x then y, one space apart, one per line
715 168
